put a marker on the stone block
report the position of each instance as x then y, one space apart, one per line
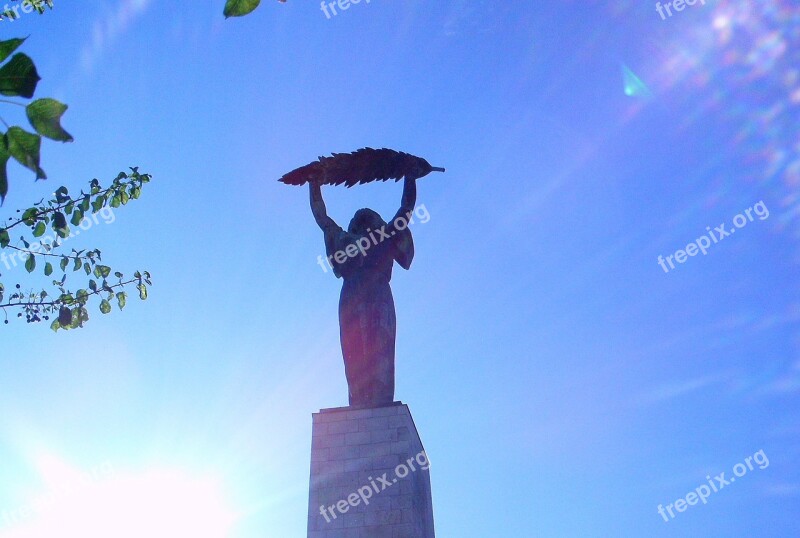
361 475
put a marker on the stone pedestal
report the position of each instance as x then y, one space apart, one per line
369 475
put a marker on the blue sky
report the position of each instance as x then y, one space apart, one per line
562 382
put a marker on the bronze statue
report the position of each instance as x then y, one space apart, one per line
364 256
367 324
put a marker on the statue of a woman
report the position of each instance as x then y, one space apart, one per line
364 256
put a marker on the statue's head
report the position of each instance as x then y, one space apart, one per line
365 220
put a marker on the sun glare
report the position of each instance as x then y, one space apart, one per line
155 503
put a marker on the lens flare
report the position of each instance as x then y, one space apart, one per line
156 502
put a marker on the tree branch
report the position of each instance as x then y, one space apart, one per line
82 300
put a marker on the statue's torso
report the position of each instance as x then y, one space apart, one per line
373 267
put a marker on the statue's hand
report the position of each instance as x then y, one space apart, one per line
315 189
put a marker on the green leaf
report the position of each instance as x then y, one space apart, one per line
40 229
64 316
48 269
98 204
30 263
62 194
19 77
4 238
77 217
142 292
122 298
45 117
105 306
59 221
24 147
83 316
64 262
78 264
102 271
76 318
29 216
239 8
8 47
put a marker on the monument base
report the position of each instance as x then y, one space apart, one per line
369 475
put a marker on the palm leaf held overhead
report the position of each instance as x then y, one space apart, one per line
362 166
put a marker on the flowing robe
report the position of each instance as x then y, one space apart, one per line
367 322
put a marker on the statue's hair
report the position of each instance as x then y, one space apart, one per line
365 219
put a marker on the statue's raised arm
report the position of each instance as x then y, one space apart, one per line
332 231
408 201
318 207
398 226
